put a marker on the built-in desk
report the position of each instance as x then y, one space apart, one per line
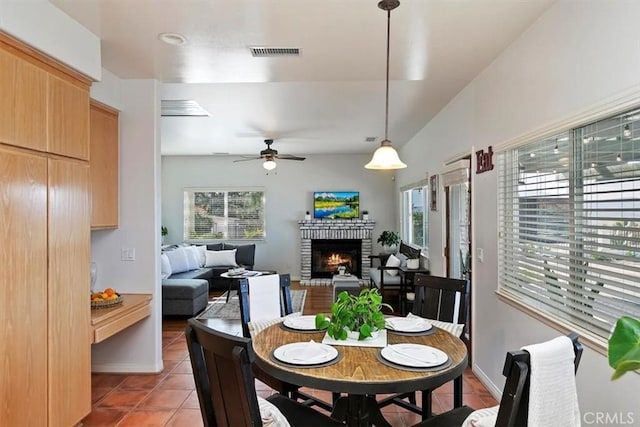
106 322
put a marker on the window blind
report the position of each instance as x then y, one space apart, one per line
211 214
569 223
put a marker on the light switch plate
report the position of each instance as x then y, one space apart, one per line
128 254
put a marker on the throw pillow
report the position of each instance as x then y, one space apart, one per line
202 255
221 259
193 261
392 262
255 327
165 266
245 254
178 260
453 328
271 415
403 259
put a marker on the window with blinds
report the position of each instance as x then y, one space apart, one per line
414 214
569 224
212 214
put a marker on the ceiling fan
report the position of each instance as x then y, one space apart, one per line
269 155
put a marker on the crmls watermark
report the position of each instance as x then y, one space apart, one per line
609 418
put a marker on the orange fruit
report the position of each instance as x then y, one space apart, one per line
109 291
105 295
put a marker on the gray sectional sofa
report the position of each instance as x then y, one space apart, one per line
185 291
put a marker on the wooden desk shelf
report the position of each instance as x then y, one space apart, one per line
107 322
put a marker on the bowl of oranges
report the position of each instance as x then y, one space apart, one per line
105 299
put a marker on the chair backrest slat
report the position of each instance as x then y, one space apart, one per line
440 298
224 380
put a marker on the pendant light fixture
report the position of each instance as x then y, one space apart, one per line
385 157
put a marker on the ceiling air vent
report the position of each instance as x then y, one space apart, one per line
181 108
369 139
274 51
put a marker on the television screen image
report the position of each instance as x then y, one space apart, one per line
336 204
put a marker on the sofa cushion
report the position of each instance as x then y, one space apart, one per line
374 275
215 247
245 253
221 259
200 273
184 288
193 257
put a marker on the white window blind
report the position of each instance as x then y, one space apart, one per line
215 214
569 221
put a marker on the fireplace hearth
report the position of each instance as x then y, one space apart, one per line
329 254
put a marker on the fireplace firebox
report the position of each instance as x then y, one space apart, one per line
329 254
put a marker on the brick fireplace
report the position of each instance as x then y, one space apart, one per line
333 229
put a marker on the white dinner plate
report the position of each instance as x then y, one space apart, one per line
408 324
414 355
301 323
305 353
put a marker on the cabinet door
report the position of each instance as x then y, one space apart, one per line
103 167
23 289
68 113
69 285
23 103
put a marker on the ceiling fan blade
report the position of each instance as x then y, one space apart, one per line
247 158
289 157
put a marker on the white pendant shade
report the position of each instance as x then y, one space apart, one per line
269 165
385 157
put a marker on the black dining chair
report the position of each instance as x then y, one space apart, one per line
222 370
286 308
436 298
514 406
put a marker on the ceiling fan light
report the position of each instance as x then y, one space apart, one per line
385 157
269 165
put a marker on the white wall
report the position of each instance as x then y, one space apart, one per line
289 193
45 27
139 347
577 58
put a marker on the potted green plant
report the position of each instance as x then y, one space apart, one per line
624 346
389 240
351 313
163 232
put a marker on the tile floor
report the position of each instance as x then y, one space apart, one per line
169 398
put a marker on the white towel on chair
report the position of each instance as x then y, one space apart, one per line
553 400
264 297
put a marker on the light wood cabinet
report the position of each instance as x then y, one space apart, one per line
104 161
45 329
23 103
69 329
68 114
23 289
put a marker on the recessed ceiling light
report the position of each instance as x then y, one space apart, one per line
174 39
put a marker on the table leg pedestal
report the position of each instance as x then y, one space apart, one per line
359 410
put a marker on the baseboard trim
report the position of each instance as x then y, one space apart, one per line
495 391
127 368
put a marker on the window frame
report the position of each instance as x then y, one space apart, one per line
407 214
188 224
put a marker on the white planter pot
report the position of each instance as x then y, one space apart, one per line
353 335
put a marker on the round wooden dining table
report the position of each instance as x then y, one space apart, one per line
359 373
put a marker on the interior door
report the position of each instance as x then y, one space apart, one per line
456 181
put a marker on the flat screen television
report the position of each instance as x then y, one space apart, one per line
336 204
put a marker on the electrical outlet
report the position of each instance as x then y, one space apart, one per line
128 254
